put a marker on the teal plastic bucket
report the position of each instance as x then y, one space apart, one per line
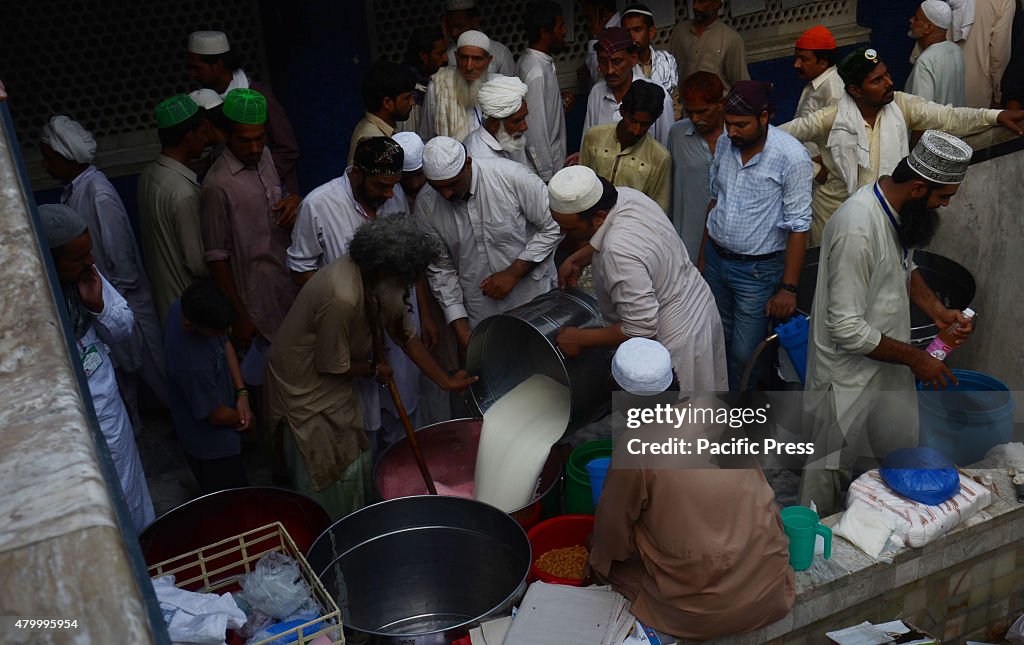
965 421
597 469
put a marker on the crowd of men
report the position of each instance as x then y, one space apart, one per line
252 305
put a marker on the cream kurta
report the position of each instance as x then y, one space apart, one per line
823 91
644 280
987 51
699 551
719 50
371 125
645 166
323 335
918 114
861 295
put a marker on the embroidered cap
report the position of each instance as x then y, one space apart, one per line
940 157
174 110
378 156
243 105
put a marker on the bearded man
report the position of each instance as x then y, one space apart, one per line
502 102
450 108
859 387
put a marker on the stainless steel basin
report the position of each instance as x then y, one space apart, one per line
422 570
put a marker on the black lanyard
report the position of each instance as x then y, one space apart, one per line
895 227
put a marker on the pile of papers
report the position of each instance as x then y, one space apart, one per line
557 614
895 631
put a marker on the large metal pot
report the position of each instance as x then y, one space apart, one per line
450 448
951 282
422 570
226 513
507 349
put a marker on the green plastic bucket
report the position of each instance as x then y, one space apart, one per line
578 497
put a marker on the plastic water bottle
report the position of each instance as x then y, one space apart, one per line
943 344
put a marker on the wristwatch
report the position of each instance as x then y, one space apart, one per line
785 286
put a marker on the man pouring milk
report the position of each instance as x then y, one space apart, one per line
646 284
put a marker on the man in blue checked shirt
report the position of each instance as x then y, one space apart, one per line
758 218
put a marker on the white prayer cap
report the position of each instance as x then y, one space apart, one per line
574 190
939 13
474 38
61 224
206 98
207 43
940 157
963 18
459 5
443 158
69 139
642 366
501 97
412 145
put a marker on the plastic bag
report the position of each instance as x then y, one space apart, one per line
1016 633
923 475
275 587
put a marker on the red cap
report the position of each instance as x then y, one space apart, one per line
816 37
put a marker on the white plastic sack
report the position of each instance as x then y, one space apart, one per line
1016 633
914 523
200 618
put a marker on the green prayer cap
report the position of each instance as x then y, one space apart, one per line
857 65
243 105
174 110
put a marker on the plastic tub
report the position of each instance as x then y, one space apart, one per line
558 533
578 496
965 421
597 469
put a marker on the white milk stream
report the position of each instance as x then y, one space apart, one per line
518 432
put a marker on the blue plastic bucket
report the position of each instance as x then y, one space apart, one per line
793 338
598 470
964 421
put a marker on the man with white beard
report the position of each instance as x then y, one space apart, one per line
502 101
450 108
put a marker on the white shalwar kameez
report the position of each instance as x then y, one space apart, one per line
113 325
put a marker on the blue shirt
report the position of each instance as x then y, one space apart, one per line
198 381
760 202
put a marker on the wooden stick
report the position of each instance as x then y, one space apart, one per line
411 434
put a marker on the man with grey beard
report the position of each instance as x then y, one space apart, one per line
450 106
502 102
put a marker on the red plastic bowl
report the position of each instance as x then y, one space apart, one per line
558 533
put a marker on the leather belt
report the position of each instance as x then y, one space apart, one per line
726 254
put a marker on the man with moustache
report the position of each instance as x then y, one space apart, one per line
497 235
617 61
624 153
860 366
388 97
656 65
504 109
815 58
545 137
691 143
450 109
756 231
865 135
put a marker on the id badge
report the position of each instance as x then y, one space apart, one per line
92 359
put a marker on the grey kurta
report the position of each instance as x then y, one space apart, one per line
118 259
861 295
505 218
645 280
545 138
691 182
938 75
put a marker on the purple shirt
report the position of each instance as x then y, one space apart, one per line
239 226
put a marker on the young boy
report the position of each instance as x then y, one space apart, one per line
209 402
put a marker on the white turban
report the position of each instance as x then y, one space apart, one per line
963 18
208 43
642 366
474 38
206 98
443 158
69 139
412 145
501 97
574 190
938 13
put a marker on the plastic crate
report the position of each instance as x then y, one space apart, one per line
216 568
